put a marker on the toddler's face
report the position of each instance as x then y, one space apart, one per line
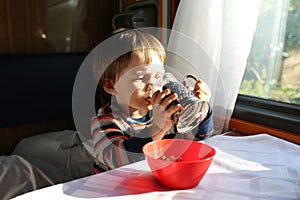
139 81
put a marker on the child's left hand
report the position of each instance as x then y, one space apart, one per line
201 91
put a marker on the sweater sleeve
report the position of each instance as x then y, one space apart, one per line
205 128
112 146
134 145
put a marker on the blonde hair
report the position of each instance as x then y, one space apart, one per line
111 66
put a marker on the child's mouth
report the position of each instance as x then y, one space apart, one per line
149 100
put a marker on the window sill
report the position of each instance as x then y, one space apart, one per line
250 128
253 115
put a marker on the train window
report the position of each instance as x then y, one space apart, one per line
270 90
273 67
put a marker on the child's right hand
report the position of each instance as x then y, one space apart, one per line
162 115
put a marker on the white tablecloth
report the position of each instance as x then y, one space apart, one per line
244 168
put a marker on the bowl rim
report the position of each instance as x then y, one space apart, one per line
212 149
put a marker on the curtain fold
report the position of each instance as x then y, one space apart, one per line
212 40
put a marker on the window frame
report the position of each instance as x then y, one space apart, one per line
279 115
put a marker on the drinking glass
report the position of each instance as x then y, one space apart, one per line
193 109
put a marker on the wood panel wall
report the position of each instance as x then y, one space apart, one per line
23 24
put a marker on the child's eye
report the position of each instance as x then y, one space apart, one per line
141 77
159 76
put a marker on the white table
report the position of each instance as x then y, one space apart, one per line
250 168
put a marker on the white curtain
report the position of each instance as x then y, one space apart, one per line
212 39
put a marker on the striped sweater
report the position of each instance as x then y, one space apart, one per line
118 139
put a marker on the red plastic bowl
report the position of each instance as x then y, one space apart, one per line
192 160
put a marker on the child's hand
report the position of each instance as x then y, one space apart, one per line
201 91
162 115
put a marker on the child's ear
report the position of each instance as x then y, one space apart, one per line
108 86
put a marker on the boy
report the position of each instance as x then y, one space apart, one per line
133 113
